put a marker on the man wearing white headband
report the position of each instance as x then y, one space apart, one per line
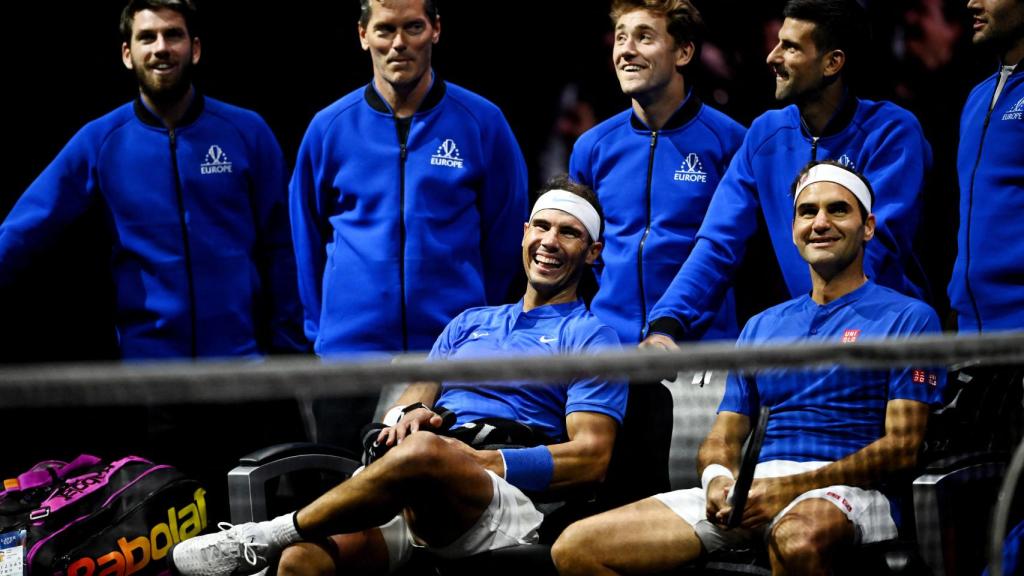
820 480
819 44
458 500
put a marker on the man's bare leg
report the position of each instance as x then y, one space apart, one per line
645 536
806 538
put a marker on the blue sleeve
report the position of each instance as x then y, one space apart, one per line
738 386
581 170
899 159
274 256
503 210
687 308
60 195
598 394
444 346
923 384
309 227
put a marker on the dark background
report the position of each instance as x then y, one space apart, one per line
546 64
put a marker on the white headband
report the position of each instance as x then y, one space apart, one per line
571 204
836 175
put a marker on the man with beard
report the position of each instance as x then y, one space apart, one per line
835 437
987 287
193 191
818 44
437 492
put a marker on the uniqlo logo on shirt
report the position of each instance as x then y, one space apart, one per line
850 336
924 377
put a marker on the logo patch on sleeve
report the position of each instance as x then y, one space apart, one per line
924 377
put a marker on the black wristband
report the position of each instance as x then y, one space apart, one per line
414 406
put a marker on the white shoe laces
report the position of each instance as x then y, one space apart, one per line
248 550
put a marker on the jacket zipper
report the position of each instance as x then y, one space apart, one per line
970 209
185 242
643 239
403 139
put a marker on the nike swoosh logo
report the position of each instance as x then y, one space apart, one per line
476 335
546 340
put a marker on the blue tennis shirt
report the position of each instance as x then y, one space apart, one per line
554 329
825 415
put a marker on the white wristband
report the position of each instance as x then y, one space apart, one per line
394 415
713 471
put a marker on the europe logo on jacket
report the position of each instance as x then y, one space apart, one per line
1015 112
216 161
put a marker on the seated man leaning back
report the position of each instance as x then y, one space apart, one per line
834 436
434 491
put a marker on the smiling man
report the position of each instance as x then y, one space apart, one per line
193 192
654 166
438 492
195 196
987 287
406 202
818 44
835 437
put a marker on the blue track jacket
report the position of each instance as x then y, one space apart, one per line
398 228
987 286
201 251
882 141
654 187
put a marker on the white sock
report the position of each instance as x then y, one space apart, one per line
282 530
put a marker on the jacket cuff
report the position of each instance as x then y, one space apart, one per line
668 326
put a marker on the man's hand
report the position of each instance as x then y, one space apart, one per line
412 421
717 499
659 342
766 498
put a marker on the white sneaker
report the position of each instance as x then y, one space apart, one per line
236 551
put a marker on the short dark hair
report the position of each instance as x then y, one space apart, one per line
850 169
365 10
564 182
187 9
684 20
838 25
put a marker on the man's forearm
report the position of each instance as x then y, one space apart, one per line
425 392
895 452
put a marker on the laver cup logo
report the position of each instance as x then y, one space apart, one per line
132 554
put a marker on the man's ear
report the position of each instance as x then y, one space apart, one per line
126 55
593 251
197 50
684 53
834 62
526 227
362 37
437 30
869 228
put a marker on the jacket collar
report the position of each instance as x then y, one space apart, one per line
146 116
686 112
433 97
839 121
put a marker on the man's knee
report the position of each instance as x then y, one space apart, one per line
420 454
802 540
573 552
305 559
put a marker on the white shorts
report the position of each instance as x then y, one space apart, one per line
868 510
509 520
